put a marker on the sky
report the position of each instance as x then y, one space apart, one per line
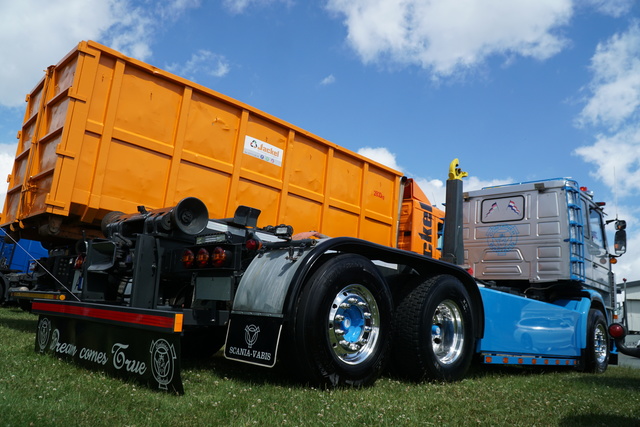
517 90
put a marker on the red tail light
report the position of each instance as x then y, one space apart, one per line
187 258
616 330
219 257
253 244
206 258
202 259
79 262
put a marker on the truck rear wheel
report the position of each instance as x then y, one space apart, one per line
342 322
596 357
434 331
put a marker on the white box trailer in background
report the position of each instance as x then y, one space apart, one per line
631 306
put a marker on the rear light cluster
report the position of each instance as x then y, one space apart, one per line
214 257
204 257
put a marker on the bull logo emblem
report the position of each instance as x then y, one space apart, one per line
44 332
163 357
251 334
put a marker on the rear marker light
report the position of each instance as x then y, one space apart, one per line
253 244
202 259
616 330
77 265
219 257
187 258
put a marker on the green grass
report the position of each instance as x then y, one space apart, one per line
41 390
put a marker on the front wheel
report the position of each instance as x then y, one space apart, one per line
596 356
435 335
342 323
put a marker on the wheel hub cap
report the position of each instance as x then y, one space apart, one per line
354 323
447 332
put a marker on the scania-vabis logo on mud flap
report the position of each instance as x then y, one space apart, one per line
253 339
251 334
163 356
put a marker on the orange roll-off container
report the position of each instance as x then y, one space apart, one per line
104 132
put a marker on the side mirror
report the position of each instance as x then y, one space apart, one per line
620 238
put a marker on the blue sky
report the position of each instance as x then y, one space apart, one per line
517 90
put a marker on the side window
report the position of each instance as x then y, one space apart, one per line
594 232
585 220
595 224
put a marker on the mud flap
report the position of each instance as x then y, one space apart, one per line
139 345
253 339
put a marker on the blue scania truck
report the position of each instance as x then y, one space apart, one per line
525 280
522 276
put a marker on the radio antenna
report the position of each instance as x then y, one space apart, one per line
615 191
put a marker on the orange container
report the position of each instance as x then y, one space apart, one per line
105 132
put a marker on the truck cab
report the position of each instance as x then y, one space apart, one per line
543 239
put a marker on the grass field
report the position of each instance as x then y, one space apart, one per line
40 390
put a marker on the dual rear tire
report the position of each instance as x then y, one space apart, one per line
342 331
341 328
434 331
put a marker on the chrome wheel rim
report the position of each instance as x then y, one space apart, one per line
447 332
600 343
354 324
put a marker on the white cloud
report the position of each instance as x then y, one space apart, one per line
434 189
330 79
380 155
37 33
203 61
451 36
613 8
7 155
616 159
170 10
240 6
615 86
613 112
